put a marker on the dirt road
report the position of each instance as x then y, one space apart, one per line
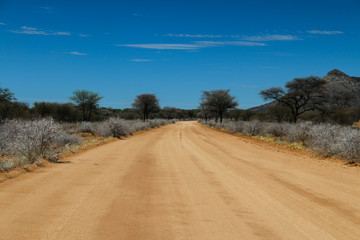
183 181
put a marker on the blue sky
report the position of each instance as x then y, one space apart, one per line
174 49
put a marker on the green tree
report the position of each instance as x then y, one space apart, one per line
146 104
217 102
6 95
302 95
87 101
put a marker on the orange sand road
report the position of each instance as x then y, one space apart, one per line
184 181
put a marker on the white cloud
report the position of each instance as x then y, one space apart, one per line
83 35
28 28
180 35
1 23
36 31
229 43
61 33
193 46
271 37
141 60
193 35
78 53
162 46
324 32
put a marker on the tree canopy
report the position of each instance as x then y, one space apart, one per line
301 95
146 104
217 102
87 101
6 95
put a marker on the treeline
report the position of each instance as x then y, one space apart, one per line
85 107
307 99
278 113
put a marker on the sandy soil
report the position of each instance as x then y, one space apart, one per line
184 181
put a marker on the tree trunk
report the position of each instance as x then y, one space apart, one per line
83 113
295 118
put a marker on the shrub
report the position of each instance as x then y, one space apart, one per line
10 163
30 140
156 123
86 127
299 132
114 127
349 144
64 139
138 125
235 126
335 140
252 128
277 129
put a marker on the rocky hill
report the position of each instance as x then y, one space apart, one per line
341 83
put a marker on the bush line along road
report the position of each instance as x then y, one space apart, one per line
183 181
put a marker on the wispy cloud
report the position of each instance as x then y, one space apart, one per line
228 43
193 46
83 35
271 37
141 60
36 31
61 33
162 46
193 35
180 35
137 14
78 53
321 32
2 23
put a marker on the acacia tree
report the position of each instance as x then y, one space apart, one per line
146 104
6 95
302 95
87 101
217 102
9 108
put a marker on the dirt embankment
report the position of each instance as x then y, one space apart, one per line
184 181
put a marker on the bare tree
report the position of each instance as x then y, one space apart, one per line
87 101
146 104
302 95
217 102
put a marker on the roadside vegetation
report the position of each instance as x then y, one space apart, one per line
31 141
325 139
48 130
307 114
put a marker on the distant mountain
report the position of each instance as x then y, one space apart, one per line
338 83
262 108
